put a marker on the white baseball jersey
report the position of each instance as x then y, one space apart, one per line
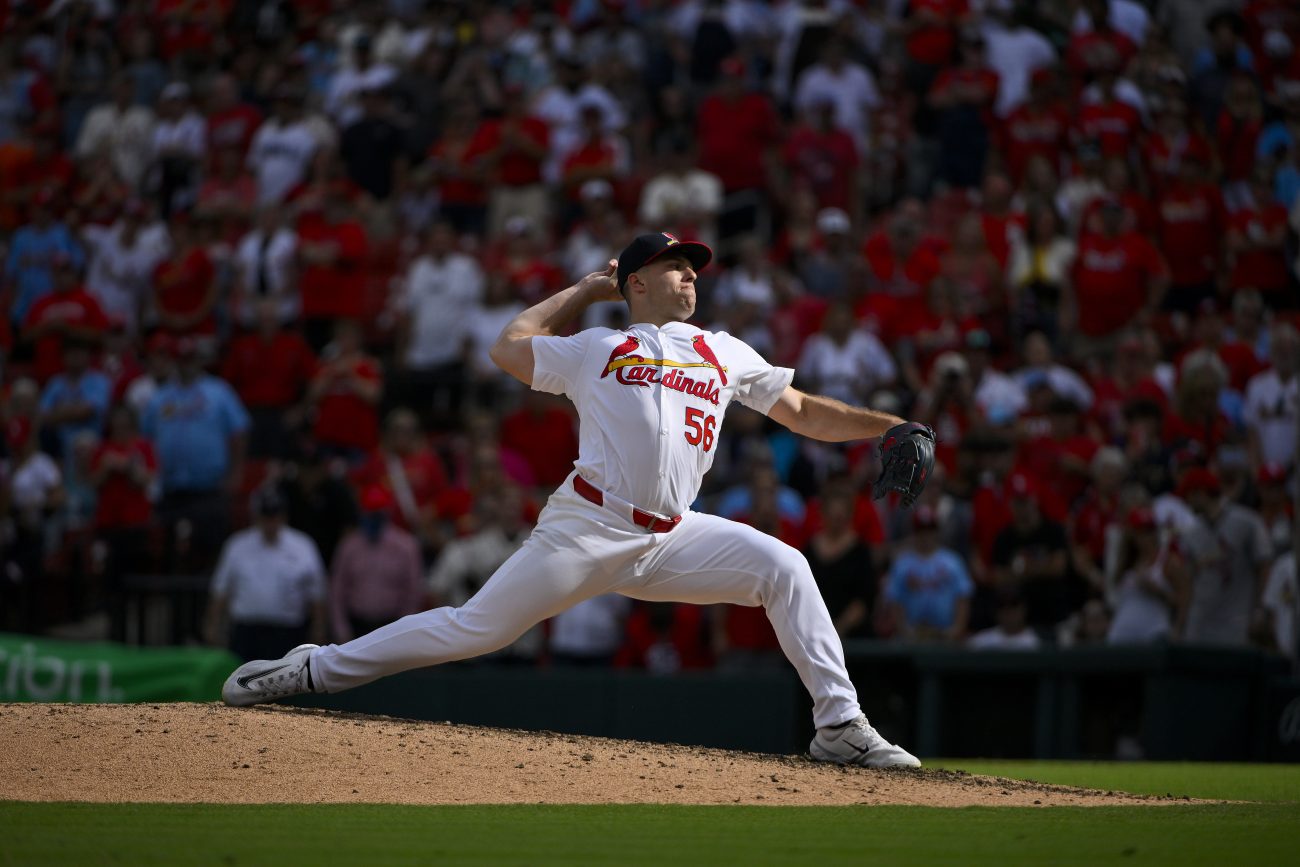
650 400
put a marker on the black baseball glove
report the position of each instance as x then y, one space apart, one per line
906 461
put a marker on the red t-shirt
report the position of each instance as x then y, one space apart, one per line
190 31
984 79
76 310
268 374
334 290
999 229
233 127
424 475
514 168
1089 51
686 635
824 162
932 44
600 155
1112 278
734 136
459 190
866 520
1164 156
1211 433
1093 517
547 441
1190 232
1138 214
1260 268
181 285
343 418
123 503
1043 457
1113 125
1236 140
1028 132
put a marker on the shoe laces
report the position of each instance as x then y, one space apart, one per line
868 731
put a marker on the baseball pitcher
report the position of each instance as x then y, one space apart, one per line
650 399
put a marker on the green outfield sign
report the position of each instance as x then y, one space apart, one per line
35 669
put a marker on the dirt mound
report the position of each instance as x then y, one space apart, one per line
211 753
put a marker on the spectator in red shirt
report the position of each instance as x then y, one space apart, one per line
665 638
332 251
185 283
1100 46
738 130
1237 131
68 312
1090 523
511 150
1117 179
1110 121
1171 144
231 122
1196 417
405 466
962 98
822 157
930 33
600 156
1191 222
229 194
270 368
542 431
1118 277
902 264
122 472
345 393
1211 332
1061 458
1040 127
522 259
1257 244
458 171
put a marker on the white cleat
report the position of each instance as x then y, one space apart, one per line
857 743
269 679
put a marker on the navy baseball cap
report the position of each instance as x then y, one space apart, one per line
644 249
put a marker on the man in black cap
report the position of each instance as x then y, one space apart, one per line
269 585
650 398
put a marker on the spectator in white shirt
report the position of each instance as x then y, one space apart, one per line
682 198
121 128
265 267
848 85
844 362
1012 631
465 563
282 149
560 105
269 585
177 148
1061 379
1126 16
121 259
752 280
591 632
1279 626
440 287
1272 410
997 396
1014 51
484 323
342 103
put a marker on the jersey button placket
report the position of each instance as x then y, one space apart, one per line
661 393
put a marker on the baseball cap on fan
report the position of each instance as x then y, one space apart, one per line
644 249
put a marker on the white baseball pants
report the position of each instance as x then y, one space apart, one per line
579 550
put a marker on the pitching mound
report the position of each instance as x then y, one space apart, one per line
211 753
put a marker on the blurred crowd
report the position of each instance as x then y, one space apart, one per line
254 252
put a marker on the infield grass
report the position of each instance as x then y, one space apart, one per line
1234 782
201 834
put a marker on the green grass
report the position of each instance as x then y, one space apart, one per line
199 834
1277 783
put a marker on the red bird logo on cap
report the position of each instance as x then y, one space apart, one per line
672 239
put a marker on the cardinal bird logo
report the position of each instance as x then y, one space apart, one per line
629 345
707 354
